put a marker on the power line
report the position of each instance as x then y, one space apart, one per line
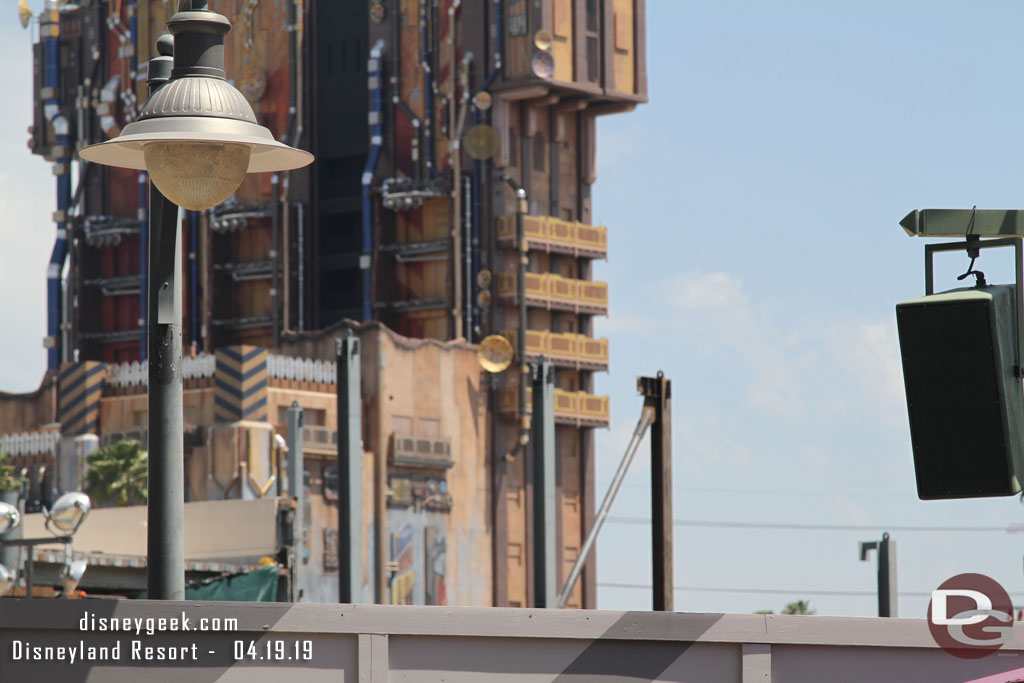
765 591
721 524
774 492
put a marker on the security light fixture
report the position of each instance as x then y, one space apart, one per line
10 517
71 573
197 135
68 513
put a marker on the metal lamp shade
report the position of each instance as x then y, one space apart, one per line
68 513
266 153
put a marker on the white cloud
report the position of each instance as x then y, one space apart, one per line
823 364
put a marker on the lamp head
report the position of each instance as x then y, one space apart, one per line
71 573
68 513
197 135
10 517
6 580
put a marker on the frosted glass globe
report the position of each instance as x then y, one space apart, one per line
196 175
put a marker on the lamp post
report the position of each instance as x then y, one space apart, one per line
198 137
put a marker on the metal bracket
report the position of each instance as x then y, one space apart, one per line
973 245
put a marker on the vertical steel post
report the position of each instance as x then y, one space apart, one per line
166 529
166 553
657 393
545 564
350 469
297 491
887 589
888 594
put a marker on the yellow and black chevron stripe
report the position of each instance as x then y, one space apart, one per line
240 384
79 388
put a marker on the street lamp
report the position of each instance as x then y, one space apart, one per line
197 136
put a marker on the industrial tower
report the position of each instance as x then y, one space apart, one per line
423 115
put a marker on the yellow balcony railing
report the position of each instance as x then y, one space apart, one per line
577 408
547 233
547 290
566 349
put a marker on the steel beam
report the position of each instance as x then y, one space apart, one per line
657 392
545 515
297 491
350 470
888 592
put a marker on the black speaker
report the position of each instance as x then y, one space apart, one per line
965 405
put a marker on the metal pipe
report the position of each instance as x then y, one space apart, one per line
275 229
476 228
460 279
50 30
193 264
301 237
646 418
426 57
281 202
467 190
143 264
522 206
499 46
376 141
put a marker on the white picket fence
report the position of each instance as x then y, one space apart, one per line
302 369
204 365
29 443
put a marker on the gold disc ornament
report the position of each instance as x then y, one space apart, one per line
543 64
495 353
482 100
483 279
482 142
542 39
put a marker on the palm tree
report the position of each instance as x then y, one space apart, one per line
799 607
117 474
8 480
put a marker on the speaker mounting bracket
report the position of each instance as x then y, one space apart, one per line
972 244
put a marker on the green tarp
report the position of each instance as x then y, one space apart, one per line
256 586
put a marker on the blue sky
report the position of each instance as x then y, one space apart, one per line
755 257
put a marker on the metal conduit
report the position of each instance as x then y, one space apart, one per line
50 30
376 140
